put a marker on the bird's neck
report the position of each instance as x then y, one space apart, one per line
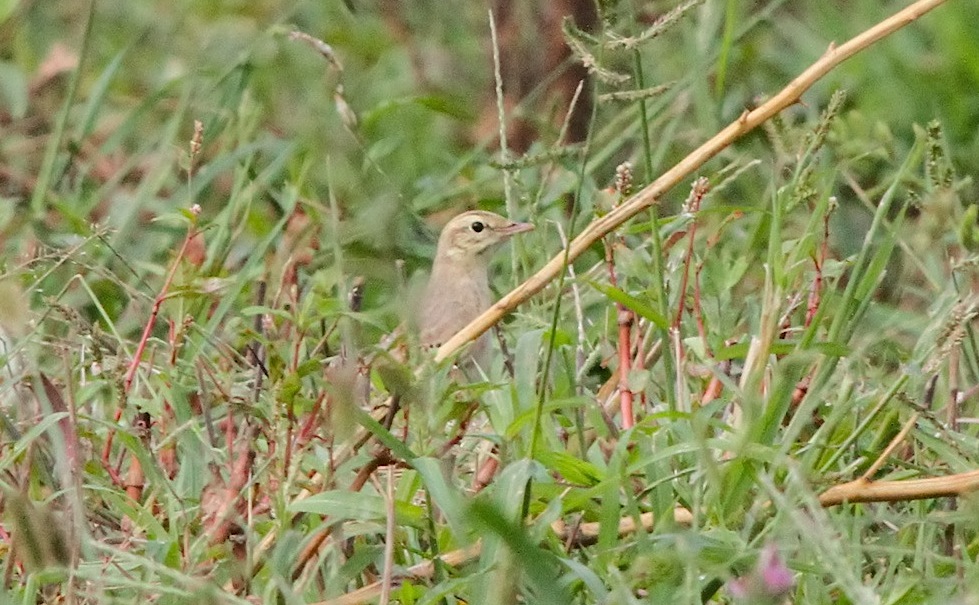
461 268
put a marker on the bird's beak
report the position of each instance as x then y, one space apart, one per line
514 228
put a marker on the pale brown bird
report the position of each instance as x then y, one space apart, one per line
458 290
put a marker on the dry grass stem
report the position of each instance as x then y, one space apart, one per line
648 196
862 490
583 533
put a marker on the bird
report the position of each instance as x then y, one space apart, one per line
458 289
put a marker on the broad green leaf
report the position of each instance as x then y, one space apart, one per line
634 304
344 504
570 468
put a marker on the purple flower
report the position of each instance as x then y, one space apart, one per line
768 582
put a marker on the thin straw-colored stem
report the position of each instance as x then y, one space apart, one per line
648 196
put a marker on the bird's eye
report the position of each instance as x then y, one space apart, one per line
477 226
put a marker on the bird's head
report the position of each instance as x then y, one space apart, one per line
473 235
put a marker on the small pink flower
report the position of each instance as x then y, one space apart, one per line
768 582
776 578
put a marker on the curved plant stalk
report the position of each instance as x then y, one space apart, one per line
649 195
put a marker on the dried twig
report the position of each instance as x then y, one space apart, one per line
863 490
648 196
583 533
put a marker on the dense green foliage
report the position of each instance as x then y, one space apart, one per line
819 286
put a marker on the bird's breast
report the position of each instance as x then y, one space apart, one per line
449 304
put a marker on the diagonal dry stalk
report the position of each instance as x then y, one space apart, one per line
648 196
865 490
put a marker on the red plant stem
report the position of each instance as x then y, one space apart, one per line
685 278
234 493
135 477
141 347
698 311
624 319
817 285
312 422
131 374
692 205
484 475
